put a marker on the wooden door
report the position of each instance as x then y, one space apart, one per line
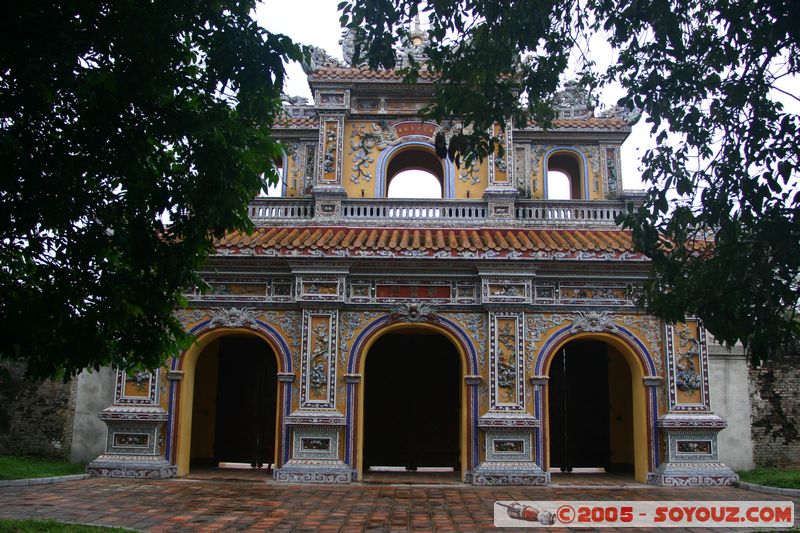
246 402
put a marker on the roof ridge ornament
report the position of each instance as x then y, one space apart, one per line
320 58
630 115
575 100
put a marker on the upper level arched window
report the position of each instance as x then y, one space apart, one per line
414 184
413 170
565 176
277 189
414 173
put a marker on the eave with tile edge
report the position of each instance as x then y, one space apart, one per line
316 241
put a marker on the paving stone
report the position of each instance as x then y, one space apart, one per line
211 505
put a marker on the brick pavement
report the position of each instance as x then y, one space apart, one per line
212 505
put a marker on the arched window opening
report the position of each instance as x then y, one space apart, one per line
414 184
558 186
564 177
415 173
275 190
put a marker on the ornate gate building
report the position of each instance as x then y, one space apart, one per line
492 331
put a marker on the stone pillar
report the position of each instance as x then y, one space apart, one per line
508 427
316 427
501 192
136 425
332 106
689 427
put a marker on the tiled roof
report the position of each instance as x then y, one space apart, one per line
510 243
594 122
296 122
361 73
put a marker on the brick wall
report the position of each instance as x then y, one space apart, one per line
775 408
35 418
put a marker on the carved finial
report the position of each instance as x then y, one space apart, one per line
574 101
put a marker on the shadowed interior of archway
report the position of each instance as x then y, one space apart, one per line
412 408
590 410
234 406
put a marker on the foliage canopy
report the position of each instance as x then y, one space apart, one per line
720 218
114 116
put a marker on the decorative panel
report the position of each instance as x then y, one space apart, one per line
413 291
281 289
521 169
137 388
687 367
613 180
234 288
127 438
573 292
508 445
499 162
506 361
319 359
433 290
330 151
311 443
506 290
333 99
320 288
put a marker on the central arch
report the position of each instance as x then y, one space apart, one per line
467 396
411 402
414 153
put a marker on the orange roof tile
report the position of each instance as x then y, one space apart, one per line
284 121
361 73
581 244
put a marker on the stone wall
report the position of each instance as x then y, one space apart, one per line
728 380
775 401
95 392
35 418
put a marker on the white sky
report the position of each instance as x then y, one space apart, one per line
316 22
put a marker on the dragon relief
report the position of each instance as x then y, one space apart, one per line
687 377
318 363
506 361
364 140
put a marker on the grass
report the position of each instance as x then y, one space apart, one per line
47 526
784 478
23 467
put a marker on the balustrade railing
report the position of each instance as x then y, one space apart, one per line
402 212
275 209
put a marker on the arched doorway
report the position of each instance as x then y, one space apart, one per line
412 403
229 397
593 410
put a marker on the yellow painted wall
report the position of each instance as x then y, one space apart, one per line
367 188
620 402
204 408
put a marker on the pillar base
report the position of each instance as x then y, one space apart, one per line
314 471
508 473
131 466
692 475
